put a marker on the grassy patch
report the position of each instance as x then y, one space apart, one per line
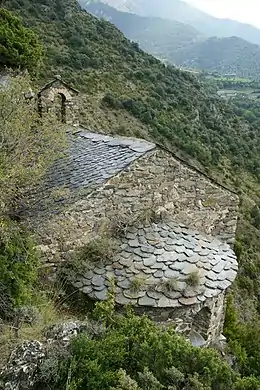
169 285
98 251
137 284
193 279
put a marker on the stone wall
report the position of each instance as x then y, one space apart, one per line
156 182
47 101
207 318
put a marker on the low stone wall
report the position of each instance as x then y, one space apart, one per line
207 318
156 182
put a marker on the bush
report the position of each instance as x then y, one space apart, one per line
100 250
19 46
41 142
134 353
244 341
18 267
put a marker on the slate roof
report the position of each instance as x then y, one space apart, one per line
94 158
91 160
164 265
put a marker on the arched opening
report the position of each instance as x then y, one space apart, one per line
60 107
201 322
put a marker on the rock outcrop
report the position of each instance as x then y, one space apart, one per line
20 373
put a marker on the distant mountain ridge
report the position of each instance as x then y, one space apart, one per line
182 12
160 37
181 44
223 55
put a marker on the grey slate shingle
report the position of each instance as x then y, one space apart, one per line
93 158
90 161
166 274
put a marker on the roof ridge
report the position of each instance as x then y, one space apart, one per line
112 136
163 147
57 78
136 144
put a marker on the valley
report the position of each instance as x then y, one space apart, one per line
182 43
183 12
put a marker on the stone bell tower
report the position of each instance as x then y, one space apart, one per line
60 98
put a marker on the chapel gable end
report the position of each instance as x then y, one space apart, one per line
61 99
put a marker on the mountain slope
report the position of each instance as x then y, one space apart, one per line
224 55
185 13
181 44
162 102
160 37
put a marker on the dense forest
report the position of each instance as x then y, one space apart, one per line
174 109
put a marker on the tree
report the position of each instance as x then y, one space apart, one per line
28 144
19 46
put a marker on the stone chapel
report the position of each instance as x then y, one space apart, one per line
175 265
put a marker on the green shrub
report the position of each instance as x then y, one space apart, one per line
19 46
18 267
133 350
100 250
125 382
250 383
244 340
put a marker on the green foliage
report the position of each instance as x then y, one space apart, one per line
231 319
125 382
255 215
19 46
248 252
250 383
104 311
28 144
148 381
99 250
244 341
18 267
134 353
